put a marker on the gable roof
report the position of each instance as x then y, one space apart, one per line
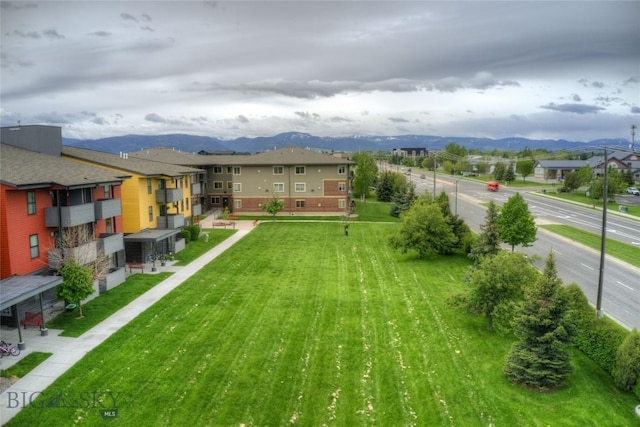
564 164
130 164
22 168
291 156
177 157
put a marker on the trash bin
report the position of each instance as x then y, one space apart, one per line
623 208
70 307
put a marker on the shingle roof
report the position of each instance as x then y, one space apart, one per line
291 156
26 168
129 164
562 163
177 157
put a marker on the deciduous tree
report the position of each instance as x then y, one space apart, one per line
516 225
498 282
365 174
77 283
525 168
273 206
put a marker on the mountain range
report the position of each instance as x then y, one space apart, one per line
195 144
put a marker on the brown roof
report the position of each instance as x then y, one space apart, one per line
292 156
25 168
177 157
129 164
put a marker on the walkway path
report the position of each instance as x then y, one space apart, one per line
67 351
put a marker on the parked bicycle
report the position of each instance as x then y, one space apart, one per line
7 349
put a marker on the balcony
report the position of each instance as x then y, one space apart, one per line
169 195
108 208
84 254
196 188
171 221
70 216
111 243
196 210
115 277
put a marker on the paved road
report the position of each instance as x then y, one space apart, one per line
574 262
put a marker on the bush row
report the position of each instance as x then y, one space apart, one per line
608 344
191 233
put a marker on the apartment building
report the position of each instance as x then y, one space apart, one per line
44 197
156 200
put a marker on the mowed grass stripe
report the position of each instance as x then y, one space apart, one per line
298 325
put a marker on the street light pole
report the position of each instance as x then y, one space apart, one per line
456 208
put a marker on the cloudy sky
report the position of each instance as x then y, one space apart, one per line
538 69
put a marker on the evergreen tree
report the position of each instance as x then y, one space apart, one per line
488 242
402 200
384 190
499 171
516 225
541 359
509 174
626 372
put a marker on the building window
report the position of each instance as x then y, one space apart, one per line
161 184
301 187
149 186
342 169
217 185
108 225
342 203
236 170
237 187
181 205
278 187
229 170
187 202
150 213
31 202
107 192
300 204
229 185
278 170
163 210
342 186
217 169
237 204
300 170
33 244
215 200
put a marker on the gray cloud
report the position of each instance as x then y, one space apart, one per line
128 17
572 108
99 121
599 85
28 35
52 34
242 119
156 118
17 5
336 119
575 97
635 110
100 33
397 120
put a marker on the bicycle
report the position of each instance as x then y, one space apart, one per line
7 349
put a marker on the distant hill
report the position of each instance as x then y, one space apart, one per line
193 143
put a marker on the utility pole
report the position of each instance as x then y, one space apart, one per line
603 242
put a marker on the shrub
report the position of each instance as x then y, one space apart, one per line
186 235
599 339
194 232
627 369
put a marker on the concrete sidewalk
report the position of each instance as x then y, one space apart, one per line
67 351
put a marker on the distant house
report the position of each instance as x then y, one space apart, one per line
556 169
621 160
42 197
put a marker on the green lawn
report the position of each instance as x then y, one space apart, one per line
581 198
622 251
196 248
297 324
24 366
99 308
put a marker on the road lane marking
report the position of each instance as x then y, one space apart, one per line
585 265
622 284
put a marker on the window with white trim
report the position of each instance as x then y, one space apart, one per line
278 187
300 204
342 203
237 204
278 170
215 200
229 170
342 186
300 170
342 169
237 170
301 187
229 185
217 169
237 187
217 185
150 213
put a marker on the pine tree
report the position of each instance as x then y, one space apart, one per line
541 359
488 243
384 190
509 174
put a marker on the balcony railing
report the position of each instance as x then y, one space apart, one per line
70 216
108 208
196 210
171 221
83 254
196 188
111 243
168 195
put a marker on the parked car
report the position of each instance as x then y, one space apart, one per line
633 190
